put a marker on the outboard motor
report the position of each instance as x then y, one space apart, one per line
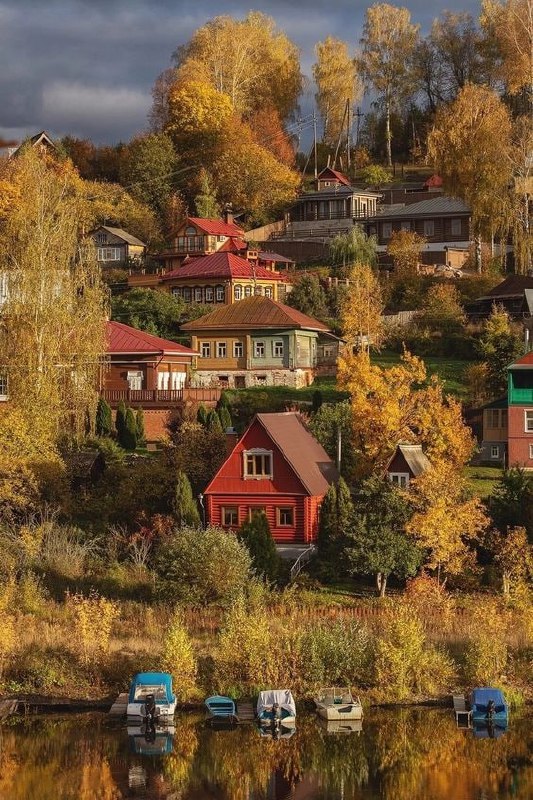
276 717
491 707
151 711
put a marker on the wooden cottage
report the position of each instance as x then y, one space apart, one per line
408 462
279 468
520 413
116 247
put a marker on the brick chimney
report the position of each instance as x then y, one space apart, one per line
228 213
232 437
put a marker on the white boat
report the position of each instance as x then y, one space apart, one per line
337 703
151 698
276 706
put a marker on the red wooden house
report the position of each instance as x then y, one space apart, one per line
277 467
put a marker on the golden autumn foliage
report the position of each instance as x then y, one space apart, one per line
93 617
337 81
179 659
405 248
362 309
509 25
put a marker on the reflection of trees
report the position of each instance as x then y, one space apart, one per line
338 762
177 765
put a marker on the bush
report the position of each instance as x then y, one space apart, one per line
336 653
184 505
202 567
139 426
128 437
178 659
104 418
257 537
486 657
93 617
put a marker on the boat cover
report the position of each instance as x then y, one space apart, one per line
160 682
482 697
283 697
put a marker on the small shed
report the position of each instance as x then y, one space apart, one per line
408 462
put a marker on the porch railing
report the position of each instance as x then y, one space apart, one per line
161 396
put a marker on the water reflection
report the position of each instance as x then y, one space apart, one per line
397 755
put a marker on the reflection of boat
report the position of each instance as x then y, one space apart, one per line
276 731
221 710
151 740
276 706
150 698
336 703
486 729
343 726
488 705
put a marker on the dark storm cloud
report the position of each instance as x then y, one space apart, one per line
86 67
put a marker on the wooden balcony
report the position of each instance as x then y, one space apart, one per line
160 398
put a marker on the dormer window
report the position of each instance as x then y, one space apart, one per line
190 231
257 463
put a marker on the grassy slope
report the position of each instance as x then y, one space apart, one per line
450 370
481 480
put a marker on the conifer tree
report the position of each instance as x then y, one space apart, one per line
213 422
129 433
201 415
257 537
184 504
336 516
104 418
139 424
225 418
120 420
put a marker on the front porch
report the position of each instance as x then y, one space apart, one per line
161 398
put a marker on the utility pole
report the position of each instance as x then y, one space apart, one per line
348 159
314 144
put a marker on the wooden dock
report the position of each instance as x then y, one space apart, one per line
245 711
8 707
119 707
462 713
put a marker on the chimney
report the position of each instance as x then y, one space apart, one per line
232 437
228 213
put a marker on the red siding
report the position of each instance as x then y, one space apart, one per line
519 439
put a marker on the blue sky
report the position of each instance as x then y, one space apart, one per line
86 67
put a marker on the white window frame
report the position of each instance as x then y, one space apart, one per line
222 349
494 451
220 294
268 291
400 479
4 387
109 254
247 291
528 420
259 349
177 291
455 227
237 292
263 455
198 294
233 510
187 294
531 451
238 349
386 230
278 348
429 227
205 349
209 294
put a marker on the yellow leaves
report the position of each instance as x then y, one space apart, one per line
336 78
510 26
405 248
93 620
362 309
197 108
178 658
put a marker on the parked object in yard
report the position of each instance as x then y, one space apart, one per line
276 707
488 705
221 709
151 698
338 703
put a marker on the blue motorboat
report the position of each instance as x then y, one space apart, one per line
221 709
488 705
151 698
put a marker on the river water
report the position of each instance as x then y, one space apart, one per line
407 754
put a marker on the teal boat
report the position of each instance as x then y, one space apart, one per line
221 709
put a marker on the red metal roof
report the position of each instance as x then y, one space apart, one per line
221 265
233 244
216 227
335 174
124 339
255 312
435 182
526 360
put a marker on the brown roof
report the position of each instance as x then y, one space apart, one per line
307 457
124 339
512 286
255 312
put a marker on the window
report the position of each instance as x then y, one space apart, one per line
237 349
268 291
531 450
3 386
529 421
220 294
285 516
493 418
255 510
386 230
205 349
504 418
401 479
237 292
223 380
494 451
176 291
456 227
209 294
109 254
221 349
187 294
257 463
429 227
163 381
405 225
247 291
278 349
190 231
198 295
258 290
135 379
101 238
259 349
230 516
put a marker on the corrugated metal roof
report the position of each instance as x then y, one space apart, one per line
524 361
221 265
122 234
437 205
307 457
512 286
416 459
336 174
255 312
125 339
216 227
263 256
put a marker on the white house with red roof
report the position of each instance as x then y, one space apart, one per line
147 371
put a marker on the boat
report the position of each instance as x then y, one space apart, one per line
334 726
276 707
151 740
488 705
221 710
336 704
151 698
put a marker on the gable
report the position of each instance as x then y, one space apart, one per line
230 477
398 464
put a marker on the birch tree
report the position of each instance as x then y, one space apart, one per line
388 43
337 84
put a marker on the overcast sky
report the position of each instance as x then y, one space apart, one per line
86 67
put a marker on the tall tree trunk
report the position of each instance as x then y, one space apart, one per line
381 582
388 134
506 583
